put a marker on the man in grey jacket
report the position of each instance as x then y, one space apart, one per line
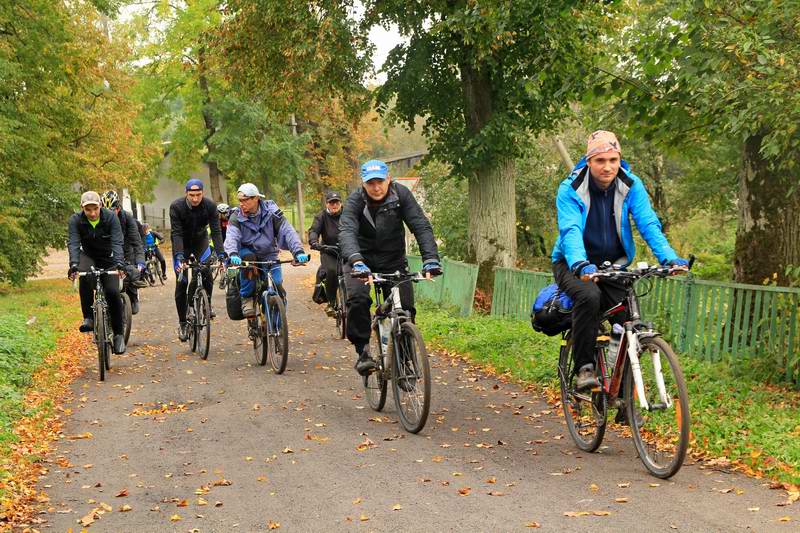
372 237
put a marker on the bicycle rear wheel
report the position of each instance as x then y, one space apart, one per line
375 384
202 323
278 334
127 315
101 339
257 328
411 377
585 412
341 312
661 433
152 272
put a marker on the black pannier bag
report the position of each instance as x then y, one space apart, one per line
233 300
551 313
319 296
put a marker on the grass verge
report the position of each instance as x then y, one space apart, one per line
735 417
39 356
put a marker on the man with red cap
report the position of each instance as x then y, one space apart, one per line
595 204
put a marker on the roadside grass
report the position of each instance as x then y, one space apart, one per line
32 318
735 417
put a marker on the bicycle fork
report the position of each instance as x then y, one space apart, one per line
636 368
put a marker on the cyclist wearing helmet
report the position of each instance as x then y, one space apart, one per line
224 211
594 206
133 235
95 240
151 240
190 218
372 236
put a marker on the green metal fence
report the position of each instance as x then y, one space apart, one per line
706 319
456 287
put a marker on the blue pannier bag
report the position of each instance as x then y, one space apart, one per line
551 313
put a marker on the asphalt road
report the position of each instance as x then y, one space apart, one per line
238 448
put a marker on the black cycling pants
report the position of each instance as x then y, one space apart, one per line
329 263
359 301
590 301
110 286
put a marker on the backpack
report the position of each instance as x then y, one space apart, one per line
319 296
551 312
233 300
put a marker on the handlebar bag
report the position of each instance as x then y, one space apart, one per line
551 312
319 296
233 300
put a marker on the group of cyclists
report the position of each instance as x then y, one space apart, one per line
594 206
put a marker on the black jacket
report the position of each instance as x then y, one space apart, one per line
132 236
189 225
102 243
326 227
381 242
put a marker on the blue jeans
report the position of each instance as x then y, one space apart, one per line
247 277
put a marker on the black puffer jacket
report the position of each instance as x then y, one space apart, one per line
382 242
326 228
188 225
133 237
103 243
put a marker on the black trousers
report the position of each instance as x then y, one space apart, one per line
160 257
329 263
359 301
131 274
110 286
590 301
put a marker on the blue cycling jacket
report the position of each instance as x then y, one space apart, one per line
630 199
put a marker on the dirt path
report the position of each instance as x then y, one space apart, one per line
238 448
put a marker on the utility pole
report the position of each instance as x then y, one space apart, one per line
562 150
301 215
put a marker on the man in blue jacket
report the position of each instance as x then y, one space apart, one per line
594 205
256 231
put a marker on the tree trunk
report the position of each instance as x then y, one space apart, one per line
492 195
214 173
768 232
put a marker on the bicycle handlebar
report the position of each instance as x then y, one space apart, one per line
642 270
395 277
94 271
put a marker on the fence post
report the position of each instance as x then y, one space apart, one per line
688 289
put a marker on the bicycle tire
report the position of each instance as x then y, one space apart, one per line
152 272
653 439
127 316
375 384
101 339
202 323
160 272
191 329
261 342
341 312
408 348
279 337
587 433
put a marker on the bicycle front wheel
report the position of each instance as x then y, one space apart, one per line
127 315
411 378
585 412
661 432
278 334
101 339
341 312
375 384
202 323
152 272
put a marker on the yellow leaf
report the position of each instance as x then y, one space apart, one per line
621 500
175 518
273 525
125 508
363 518
593 487
601 513
397 507
534 525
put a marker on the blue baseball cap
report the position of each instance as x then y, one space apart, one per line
374 169
194 182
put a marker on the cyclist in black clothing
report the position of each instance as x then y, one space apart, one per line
95 239
190 217
372 236
326 228
132 236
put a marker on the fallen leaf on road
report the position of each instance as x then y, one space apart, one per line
534 525
785 519
397 507
201 501
363 518
366 445
89 518
464 491
357 501
86 435
623 485
273 525
175 518
288 450
125 508
601 513
106 507
182 503
653 485
261 478
217 504
122 493
753 509
222 483
593 487
491 480
621 500
496 493
437 458
574 514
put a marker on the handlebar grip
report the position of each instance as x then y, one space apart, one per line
691 260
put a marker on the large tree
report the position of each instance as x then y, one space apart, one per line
487 76
697 72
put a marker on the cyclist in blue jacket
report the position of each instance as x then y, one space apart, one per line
256 231
595 204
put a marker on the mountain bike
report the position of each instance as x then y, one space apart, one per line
642 376
269 329
400 354
340 305
102 335
127 315
198 315
153 271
